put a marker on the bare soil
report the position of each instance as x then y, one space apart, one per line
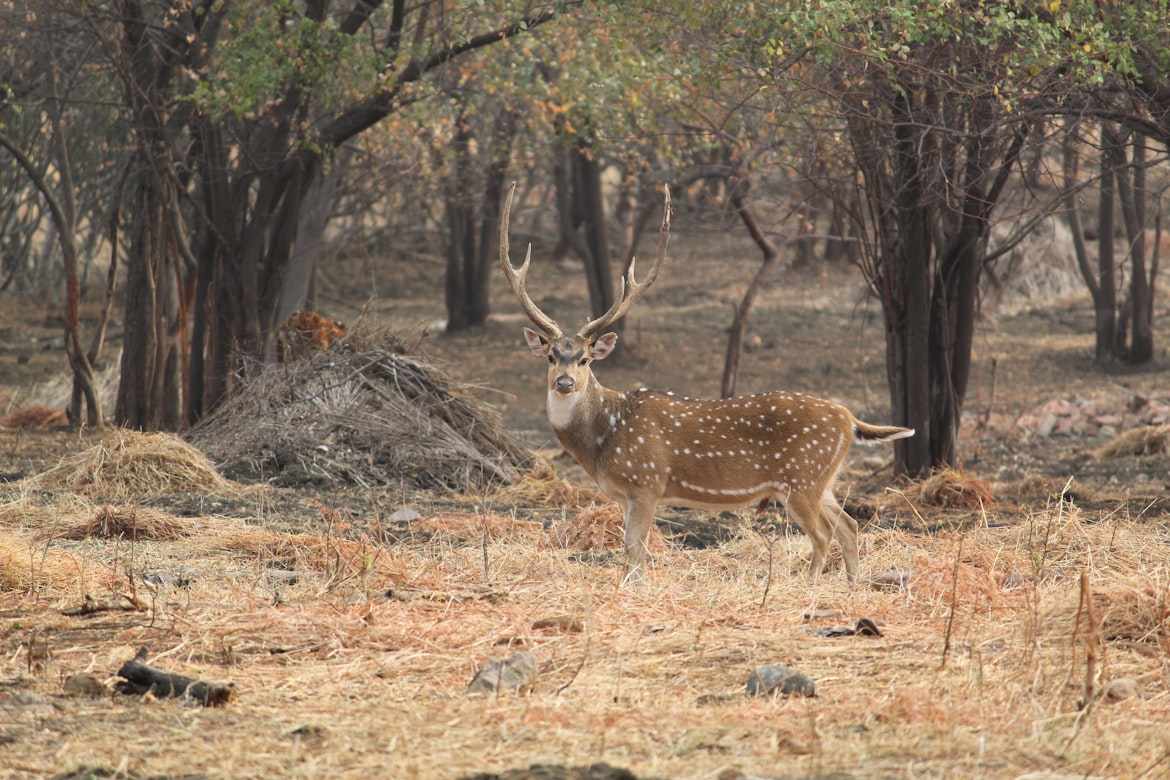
354 662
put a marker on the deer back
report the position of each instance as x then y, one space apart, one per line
711 453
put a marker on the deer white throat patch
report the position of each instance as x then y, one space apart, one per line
561 408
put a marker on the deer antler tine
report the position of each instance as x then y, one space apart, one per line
517 278
629 290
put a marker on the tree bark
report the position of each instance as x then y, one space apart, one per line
767 267
597 262
1106 302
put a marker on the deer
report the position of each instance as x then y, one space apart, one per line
648 447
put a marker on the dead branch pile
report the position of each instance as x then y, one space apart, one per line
368 412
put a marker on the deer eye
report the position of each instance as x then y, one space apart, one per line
551 360
583 361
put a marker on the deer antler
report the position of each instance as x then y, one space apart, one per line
630 291
516 277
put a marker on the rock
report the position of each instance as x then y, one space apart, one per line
405 514
563 624
1120 689
85 686
864 627
517 672
774 678
894 579
1046 425
600 771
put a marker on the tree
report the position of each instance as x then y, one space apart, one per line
936 104
65 185
235 105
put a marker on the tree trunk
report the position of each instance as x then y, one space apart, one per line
479 300
84 384
907 305
739 323
148 397
597 261
1141 291
1106 303
299 291
954 305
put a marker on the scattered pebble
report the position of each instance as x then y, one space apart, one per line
1102 418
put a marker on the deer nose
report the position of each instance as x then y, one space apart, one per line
563 384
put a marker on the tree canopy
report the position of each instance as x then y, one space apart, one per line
890 129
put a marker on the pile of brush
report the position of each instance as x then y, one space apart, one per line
367 411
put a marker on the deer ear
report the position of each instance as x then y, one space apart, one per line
603 346
536 342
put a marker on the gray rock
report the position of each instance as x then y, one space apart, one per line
515 673
85 686
772 678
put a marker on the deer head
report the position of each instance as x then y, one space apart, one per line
570 357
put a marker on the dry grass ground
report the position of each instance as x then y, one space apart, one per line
351 658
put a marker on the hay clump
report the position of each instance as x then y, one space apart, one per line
35 417
593 529
365 411
542 487
951 489
1146 440
24 568
1126 613
129 464
338 557
599 528
121 521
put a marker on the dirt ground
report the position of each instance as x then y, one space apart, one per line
351 620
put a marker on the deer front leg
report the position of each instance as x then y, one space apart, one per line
639 516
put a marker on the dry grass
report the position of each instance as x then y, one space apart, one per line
35 417
978 673
952 489
1146 440
542 487
127 464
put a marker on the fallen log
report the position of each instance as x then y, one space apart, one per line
139 679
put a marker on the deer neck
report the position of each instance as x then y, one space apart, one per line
584 420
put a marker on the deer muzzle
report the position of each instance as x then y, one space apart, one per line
564 384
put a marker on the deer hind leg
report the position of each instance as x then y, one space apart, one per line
639 516
846 533
816 524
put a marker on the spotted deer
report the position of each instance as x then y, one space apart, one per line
646 447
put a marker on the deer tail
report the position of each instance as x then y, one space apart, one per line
863 431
